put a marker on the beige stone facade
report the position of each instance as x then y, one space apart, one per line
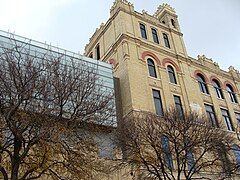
122 44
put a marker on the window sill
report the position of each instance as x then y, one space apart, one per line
205 94
174 84
153 78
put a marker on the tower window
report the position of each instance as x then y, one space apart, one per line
173 23
155 35
171 75
166 41
231 93
151 68
227 119
218 89
157 102
143 31
202 84
211 115
97 52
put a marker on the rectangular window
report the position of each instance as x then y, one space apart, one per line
211 115
167 152
178 105
190 160
97 52
238 117
227 119
157 102
143 31
155 36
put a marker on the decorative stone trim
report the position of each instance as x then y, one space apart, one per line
170 61
196 72
148 53
231 84
216 78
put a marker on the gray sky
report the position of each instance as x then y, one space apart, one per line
210 27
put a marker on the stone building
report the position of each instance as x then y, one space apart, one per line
150 59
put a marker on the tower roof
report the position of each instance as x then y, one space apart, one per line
162 8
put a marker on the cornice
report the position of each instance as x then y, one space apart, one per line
189 60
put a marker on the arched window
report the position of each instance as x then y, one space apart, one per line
236 150
202 84
151 68
217 88
231 93
166 41
171 75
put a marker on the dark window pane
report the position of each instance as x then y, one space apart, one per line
166 41
157 102
211 115
91 55
190 160
143 31
171 75
173 23
202 84
166 150
151 68
178 105
98 52
227 119
155 35
231 94
236 150
218 89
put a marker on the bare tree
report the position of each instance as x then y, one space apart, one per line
49 105
173 146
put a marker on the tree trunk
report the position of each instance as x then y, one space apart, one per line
16 159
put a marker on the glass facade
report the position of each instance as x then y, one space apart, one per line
41 51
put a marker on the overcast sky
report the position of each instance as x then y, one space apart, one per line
210 27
